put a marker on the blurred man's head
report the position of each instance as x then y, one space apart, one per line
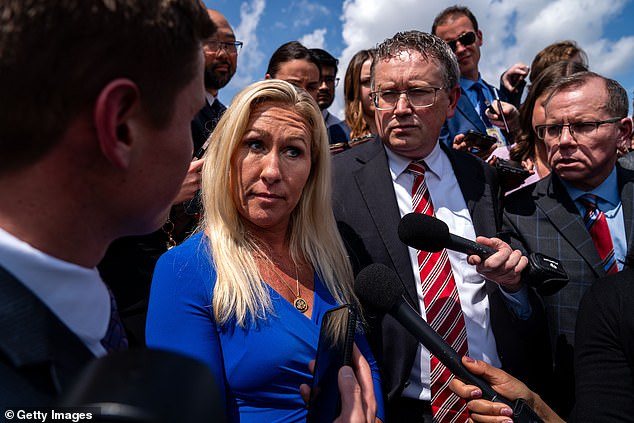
42 93
221 54
95 135
328 66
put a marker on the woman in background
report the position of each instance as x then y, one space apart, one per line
247 294
359 107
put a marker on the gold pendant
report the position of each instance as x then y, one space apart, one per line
300 304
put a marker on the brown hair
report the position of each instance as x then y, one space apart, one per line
556 52
58 55
352 94
453 12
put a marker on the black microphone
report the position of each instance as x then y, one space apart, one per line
426 233
379 288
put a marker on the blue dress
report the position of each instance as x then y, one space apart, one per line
263 365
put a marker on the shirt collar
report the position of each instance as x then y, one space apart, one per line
210 98
76 294
398 164
467 84
607 191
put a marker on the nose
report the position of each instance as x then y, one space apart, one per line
566 138
402 105
271 171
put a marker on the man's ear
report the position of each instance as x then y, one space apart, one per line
454 95
268 76
625 134
117 103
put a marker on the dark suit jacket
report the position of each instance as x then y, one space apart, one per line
544 219
39 356
604 351
204 123
367 215
464 119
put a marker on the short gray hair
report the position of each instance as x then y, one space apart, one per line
428 45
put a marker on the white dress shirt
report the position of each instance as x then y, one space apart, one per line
450 207
75 294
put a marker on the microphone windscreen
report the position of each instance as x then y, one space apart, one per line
423 232
378 287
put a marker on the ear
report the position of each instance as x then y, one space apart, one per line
268 76
454 96
625 134
117 103
480 40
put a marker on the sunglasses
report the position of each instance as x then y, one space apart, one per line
465 39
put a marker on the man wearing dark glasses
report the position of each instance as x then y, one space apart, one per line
583 212
459 28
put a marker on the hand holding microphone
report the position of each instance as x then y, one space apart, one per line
427 233
493 258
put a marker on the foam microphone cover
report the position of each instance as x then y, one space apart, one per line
423 232
378 287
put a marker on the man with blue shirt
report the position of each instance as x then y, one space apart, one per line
582 213
458 27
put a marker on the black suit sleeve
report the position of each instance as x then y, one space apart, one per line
604 351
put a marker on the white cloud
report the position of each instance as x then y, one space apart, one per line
304 12
513 30
316 39
251 57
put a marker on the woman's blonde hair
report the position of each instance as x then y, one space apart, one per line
240 293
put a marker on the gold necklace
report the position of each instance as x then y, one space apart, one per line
299 303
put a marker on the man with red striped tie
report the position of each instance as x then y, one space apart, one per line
582 213
480 308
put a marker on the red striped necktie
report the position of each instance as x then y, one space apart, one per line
442 307
597 225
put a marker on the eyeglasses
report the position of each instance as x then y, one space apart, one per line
577 129
331 80
465 39
231 47
418 98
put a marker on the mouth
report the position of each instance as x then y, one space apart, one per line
223 67
266 196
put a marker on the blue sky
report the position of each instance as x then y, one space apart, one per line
513 30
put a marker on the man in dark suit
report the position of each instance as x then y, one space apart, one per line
459 28
414 89
586 124
338 130
221 61
97 157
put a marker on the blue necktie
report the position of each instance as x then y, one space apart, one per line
115 338
482 103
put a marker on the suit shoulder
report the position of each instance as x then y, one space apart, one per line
523 200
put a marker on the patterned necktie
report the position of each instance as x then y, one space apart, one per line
597 225
482 104
115 338
442 307
217 110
